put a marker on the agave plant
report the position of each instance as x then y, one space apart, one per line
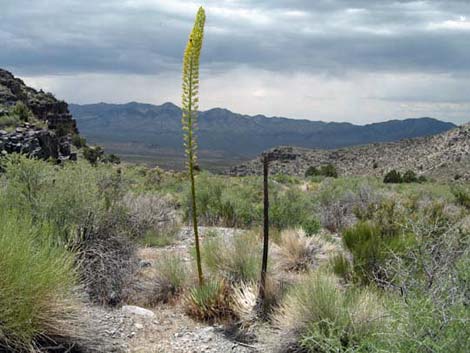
189 119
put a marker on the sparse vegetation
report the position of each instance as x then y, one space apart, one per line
384 270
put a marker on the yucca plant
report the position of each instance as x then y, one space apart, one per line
189 119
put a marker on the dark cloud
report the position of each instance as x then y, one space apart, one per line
330 38
148 37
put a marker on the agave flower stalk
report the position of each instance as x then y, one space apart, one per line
190 107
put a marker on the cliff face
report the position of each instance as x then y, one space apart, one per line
49 136
445 156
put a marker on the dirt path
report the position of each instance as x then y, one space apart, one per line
165 328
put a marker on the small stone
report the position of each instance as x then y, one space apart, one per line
139 326
144 264
137 310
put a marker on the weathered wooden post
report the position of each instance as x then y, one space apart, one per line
264 264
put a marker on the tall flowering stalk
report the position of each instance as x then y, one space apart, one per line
189 119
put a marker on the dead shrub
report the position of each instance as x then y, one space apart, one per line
299 253
106 257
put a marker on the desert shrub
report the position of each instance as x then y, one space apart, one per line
341 266
337 215
432 278
311 226
286 179
312 171
36 282
171 277
289 209
393 177
62 196
111 158
225 202
93 154
300 253
153 217
7 121
343 202
236 259
26 181
106 256
235 202
462 196
21 111
328 170
78 141
410 177
371 247
210 302
318 316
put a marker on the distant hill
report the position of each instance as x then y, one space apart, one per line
444 156
152 133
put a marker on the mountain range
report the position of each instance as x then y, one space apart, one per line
152 133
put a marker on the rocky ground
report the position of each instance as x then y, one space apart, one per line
165 328
444 156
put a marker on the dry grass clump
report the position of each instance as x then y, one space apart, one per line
317 315
210 302
298 252
37 280
171 279
236 259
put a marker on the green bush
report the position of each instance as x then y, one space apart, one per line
312 171
328 170
111 158
410 177
36 282
341 266
371 247
21 111
7 121
393 177
78 141
311 226
93 154
462 196
237 202
290 209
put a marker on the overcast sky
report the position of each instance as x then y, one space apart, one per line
334 60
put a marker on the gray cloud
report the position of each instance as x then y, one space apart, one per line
322 40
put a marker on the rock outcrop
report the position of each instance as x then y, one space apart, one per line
443 156
53 139
36 142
